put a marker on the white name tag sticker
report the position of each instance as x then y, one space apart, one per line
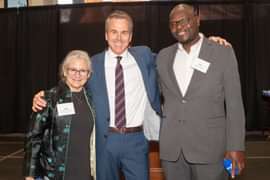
200 65
65 109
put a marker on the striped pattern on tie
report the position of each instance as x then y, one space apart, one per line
120 111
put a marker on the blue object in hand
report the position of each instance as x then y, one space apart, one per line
228 166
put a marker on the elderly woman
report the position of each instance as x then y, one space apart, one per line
61 137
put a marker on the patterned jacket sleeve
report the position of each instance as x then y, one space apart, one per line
39 125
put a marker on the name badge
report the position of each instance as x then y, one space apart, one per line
200 65
65 109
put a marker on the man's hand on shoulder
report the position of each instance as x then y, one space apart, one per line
220 41
38 102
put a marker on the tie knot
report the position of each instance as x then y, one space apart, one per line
118 58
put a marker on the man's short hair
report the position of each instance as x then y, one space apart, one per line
118 14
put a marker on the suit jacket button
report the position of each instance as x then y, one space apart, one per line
184 101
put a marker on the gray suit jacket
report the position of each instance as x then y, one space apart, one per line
209 119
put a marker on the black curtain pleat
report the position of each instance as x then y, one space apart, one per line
8 70
29 61
260 51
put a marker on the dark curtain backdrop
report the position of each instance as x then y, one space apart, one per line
35 40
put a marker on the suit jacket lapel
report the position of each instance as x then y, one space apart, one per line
175 88
140 63
197 77
143 68
102 81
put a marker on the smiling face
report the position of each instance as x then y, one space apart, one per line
118 34
76 73
184 24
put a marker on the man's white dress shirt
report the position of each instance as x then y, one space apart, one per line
135 93
182 66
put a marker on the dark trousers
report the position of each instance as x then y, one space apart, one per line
184 170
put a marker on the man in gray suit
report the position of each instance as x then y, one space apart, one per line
204 118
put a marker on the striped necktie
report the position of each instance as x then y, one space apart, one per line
120 111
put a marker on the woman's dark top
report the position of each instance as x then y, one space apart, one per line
78 158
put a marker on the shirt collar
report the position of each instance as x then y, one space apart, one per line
194 46
113 55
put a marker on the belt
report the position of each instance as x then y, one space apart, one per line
125 130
